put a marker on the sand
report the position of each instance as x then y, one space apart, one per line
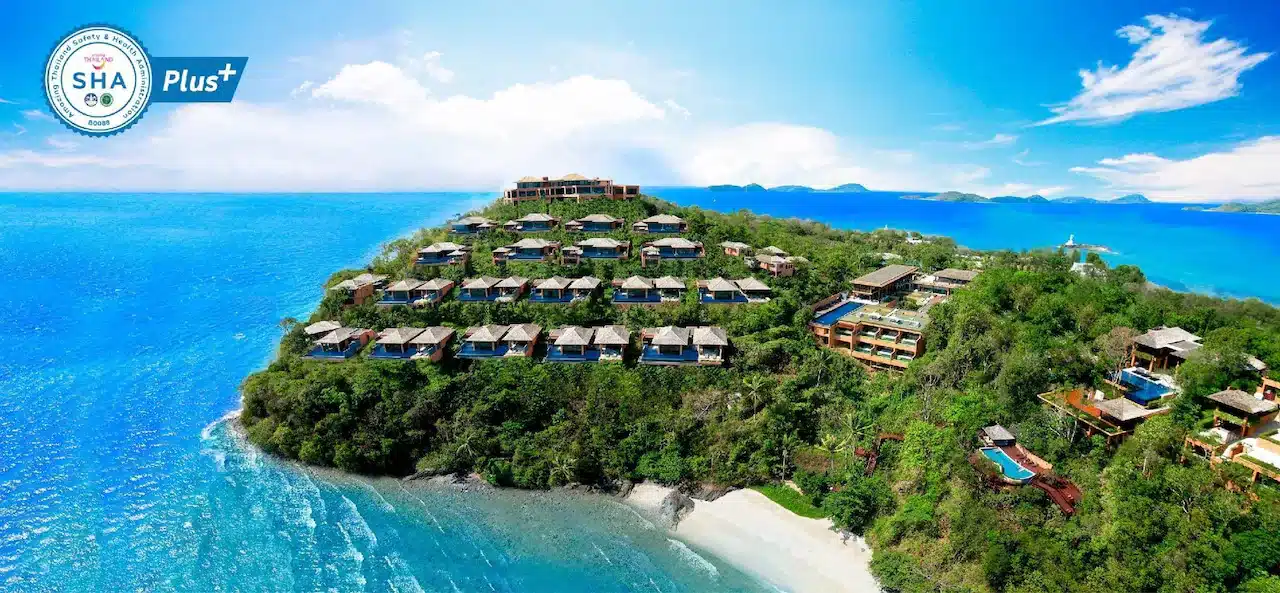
755 535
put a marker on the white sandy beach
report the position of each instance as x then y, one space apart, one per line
757 536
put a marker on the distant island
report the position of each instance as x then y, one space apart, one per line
846 188
956 196
1268 207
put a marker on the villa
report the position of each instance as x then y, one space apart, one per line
393 342
340 344
551 290
418 293
721 291
1113 419
357 290
647 291
671 345
595 223
879 336
582 288
1242 413
755 290
636 289
536 222
569 187
612 341
520 340
1260 454
735 248
572 344
510 288
945 281
431 344
885 283
472 225
1163 348
661 223
483 289
596 248
529 250
775 265
484 342
670 248
445 253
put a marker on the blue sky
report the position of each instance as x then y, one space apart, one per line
419 95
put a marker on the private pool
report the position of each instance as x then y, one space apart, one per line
1141 389
1010 468
830 316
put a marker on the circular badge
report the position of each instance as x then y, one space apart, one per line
98 80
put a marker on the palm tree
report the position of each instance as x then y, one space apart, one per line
754 384
831 445
788 444
562 467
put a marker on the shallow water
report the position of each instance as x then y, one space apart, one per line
130 322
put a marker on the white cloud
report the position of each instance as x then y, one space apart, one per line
302 88
20 129
4 101
62 144
676 107
375 82
997 140
1052 190
36 115
376 126
431 65
1172 68
1021 159
1246 171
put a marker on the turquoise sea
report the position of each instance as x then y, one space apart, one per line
130 321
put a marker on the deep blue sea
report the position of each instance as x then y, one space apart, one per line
130 321
1223 254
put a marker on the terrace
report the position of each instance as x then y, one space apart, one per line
431 343
1112 418
1243 411
521 340
1141 386
945 281
612 341
582 288
510 288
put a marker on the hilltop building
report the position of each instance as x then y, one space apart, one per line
570 187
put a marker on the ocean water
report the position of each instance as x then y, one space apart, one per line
1235 255
129 322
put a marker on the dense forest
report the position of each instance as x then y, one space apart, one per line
1151 518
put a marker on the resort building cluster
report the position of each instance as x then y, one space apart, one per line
881 320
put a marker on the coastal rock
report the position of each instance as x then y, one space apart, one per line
623 488
465 483
708 492
675 507
424 474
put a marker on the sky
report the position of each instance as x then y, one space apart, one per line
1174 100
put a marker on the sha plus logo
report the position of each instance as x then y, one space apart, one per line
99 80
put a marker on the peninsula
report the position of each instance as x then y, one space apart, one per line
988 421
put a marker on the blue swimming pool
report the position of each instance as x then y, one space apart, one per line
1010 468
1141 389
829 318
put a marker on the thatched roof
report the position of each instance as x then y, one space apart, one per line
752 285
340 335
512 282
486 333
774 250
601 243
585 283
663 219
574 336
433 335
1242 401
321 327
436 284
537 217
483 282
552 283
532 243
721 285
710 336
525 332
669 283
605 218
676 243
398 335
956 275
669 336
637 283
405 285
886 275
613 335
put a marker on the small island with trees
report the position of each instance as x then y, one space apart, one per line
884 453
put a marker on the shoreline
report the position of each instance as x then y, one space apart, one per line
757 536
